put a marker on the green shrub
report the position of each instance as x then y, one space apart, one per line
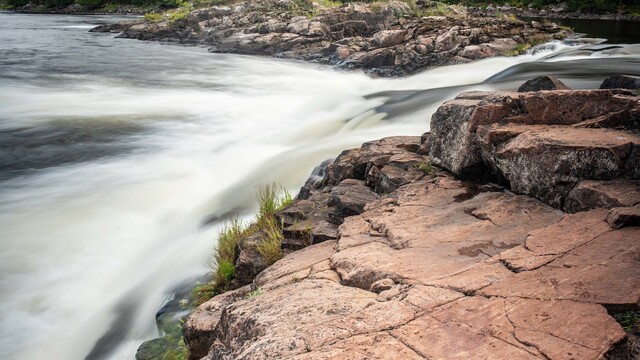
14 3
91 4
153 17
57 3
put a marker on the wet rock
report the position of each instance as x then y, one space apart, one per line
543 83
621 82
624 216
153 349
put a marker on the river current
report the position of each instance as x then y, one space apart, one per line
114 153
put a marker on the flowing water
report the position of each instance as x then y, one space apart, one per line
114 153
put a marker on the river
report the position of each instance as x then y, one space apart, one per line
114 153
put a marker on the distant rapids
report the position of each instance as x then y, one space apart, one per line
113 153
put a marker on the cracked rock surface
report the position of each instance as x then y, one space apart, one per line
445 268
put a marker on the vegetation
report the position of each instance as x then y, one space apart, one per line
629 320
272 199
588 6
426 167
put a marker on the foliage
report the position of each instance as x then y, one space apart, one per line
176 348
208 3
272 199
589 6
110 7
57 3
270 247
224 253
91 4
426 167
629 320
153 17
204 292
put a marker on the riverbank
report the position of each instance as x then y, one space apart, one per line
384 39
511 230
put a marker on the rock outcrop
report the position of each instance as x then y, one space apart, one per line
386 39
427 263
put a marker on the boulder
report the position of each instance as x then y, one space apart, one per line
535 141
543 83
588 195
389 37
350 197
625 216
621 82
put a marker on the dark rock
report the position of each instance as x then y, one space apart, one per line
153 349
350 197
248 262
624 216
621 82
588 195
543 83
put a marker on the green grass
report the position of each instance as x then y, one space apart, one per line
176 349
272 199
629 320
426 167
271 246
153 17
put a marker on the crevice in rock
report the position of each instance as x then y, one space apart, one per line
509 267
416 351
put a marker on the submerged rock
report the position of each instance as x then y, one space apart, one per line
621 82
543 83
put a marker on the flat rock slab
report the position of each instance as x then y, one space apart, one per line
604 270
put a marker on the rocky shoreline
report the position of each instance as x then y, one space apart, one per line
384 39
511 230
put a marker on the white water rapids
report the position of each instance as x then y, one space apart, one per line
114 152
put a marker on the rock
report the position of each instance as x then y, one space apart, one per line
588 195
382 285
625 216
573 276
198 328
153 349
384 40
621 82
441 260
389 37
543 83
350 197
524 139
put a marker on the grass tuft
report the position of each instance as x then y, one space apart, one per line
426 167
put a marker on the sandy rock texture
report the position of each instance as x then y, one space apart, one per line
482 260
